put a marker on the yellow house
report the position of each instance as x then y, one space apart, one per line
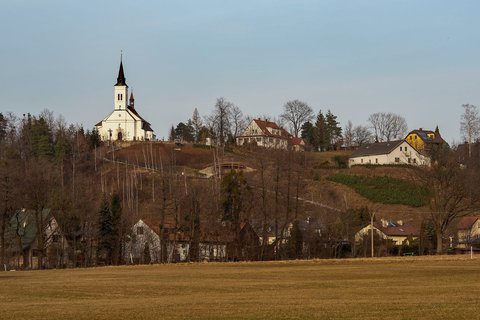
419 139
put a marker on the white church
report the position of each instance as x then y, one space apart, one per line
124 123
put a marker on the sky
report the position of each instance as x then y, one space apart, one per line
419 59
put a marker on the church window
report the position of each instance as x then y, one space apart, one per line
119 96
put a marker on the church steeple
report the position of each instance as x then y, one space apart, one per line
121 75
121 89
132 100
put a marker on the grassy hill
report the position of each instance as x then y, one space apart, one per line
393 288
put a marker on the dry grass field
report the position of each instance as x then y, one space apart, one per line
383 288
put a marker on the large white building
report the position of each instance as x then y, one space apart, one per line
124 123
386 153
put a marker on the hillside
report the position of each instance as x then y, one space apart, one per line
320 166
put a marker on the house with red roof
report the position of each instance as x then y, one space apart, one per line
265 134
396 231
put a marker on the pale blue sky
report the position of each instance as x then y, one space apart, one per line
416 58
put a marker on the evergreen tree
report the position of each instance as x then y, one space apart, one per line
295 241
105 229
333 131
196 124
308 133
320 132
116 236
171 136
234 198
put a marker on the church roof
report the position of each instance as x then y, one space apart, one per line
121 76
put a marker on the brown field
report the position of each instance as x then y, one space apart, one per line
383 288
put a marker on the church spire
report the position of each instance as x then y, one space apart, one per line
121 75
132 100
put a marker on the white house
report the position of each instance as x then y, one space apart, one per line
397 232
391 152
124 123
468 231
264 134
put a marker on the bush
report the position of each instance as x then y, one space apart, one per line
384 189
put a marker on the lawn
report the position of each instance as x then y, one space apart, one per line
384 189
393 288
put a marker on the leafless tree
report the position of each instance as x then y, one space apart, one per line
387 126
470 125
238 121
449 193
219 120
361 135
348 134
296 113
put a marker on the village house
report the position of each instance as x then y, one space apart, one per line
124 123
424 140
391 152
297 144
266 134
23 243
397 232
144 243
468 232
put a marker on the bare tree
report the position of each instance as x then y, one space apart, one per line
449 193
387 126
219 120
296 113
470 125
361 135
348 134
238 121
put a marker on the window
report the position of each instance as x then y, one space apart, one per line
405 148
139 230
376 160
361 160
400 148
259 139
397 160
414 160
409 160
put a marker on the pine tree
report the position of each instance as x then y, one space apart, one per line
171 136
197 124
116 236
333 130
105 229
308 133
320 132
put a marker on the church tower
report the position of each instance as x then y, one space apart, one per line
121 90
124 123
